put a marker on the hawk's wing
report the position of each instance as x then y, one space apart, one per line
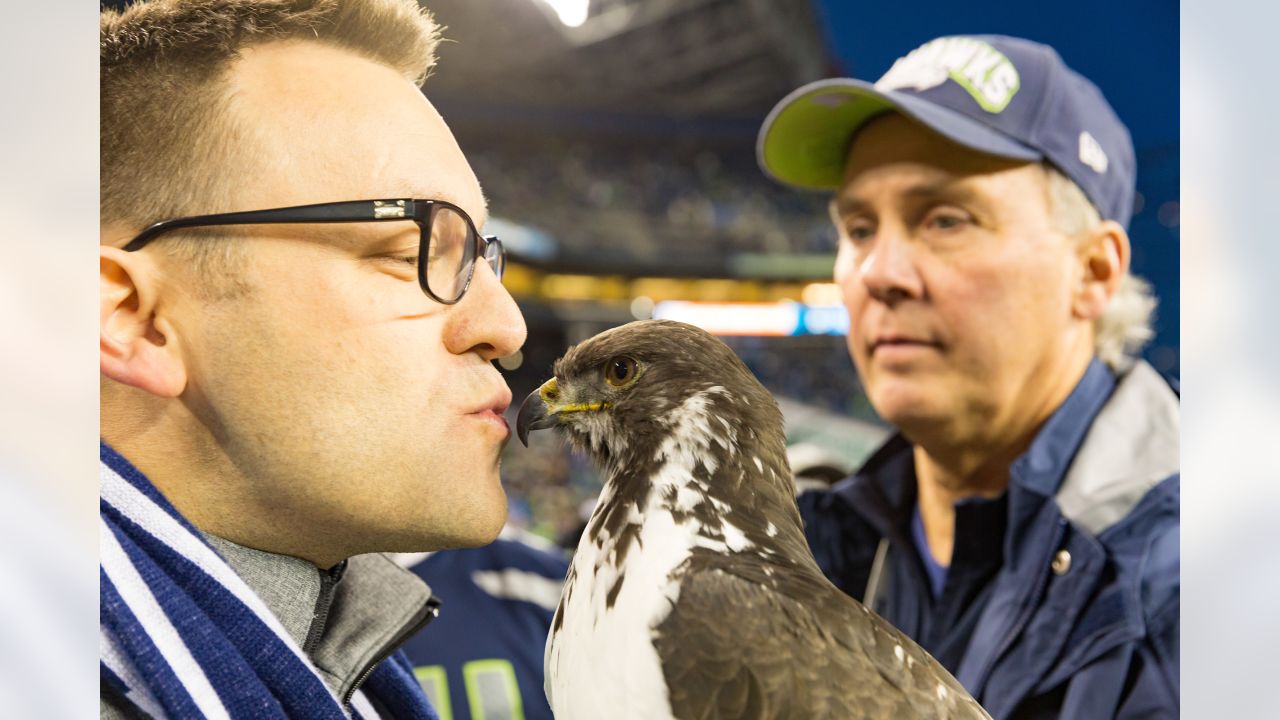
734 647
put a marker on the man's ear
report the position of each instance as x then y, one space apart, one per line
137 346
1103 252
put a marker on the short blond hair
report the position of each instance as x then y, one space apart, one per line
169 147
1125 326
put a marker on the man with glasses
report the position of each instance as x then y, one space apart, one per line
298 323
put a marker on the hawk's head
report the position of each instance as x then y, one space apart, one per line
621 393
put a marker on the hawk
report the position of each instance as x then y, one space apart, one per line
693 593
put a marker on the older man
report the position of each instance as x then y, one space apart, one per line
1023 523
298 319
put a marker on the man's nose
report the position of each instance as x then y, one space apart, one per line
888 270
487 319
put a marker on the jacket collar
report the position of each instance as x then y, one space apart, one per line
1132 445
346 618
883 490
290 587
1109 443
1044 464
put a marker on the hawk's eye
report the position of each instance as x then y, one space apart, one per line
619 371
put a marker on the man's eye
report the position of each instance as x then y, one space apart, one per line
859 232
946 221
410 260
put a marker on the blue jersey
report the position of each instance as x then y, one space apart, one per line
482 659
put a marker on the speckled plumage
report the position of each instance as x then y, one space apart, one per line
693 593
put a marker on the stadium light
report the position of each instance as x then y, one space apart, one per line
757 318
571 12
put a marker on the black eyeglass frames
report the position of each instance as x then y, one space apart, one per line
448 240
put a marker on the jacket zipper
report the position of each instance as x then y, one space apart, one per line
429 612
320 615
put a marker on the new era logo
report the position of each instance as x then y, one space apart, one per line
1091 153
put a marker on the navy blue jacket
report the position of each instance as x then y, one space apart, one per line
1089 633
483 657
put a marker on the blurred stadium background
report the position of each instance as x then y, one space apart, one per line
615 141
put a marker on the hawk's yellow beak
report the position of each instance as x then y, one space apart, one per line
543 409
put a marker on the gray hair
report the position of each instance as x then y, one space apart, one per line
1125 326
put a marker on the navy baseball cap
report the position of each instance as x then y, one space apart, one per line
997 95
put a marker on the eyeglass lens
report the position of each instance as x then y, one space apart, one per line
451 253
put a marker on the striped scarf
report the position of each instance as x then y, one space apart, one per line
182 636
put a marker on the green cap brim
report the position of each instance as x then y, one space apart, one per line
805 139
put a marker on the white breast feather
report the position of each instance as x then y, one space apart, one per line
603 664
